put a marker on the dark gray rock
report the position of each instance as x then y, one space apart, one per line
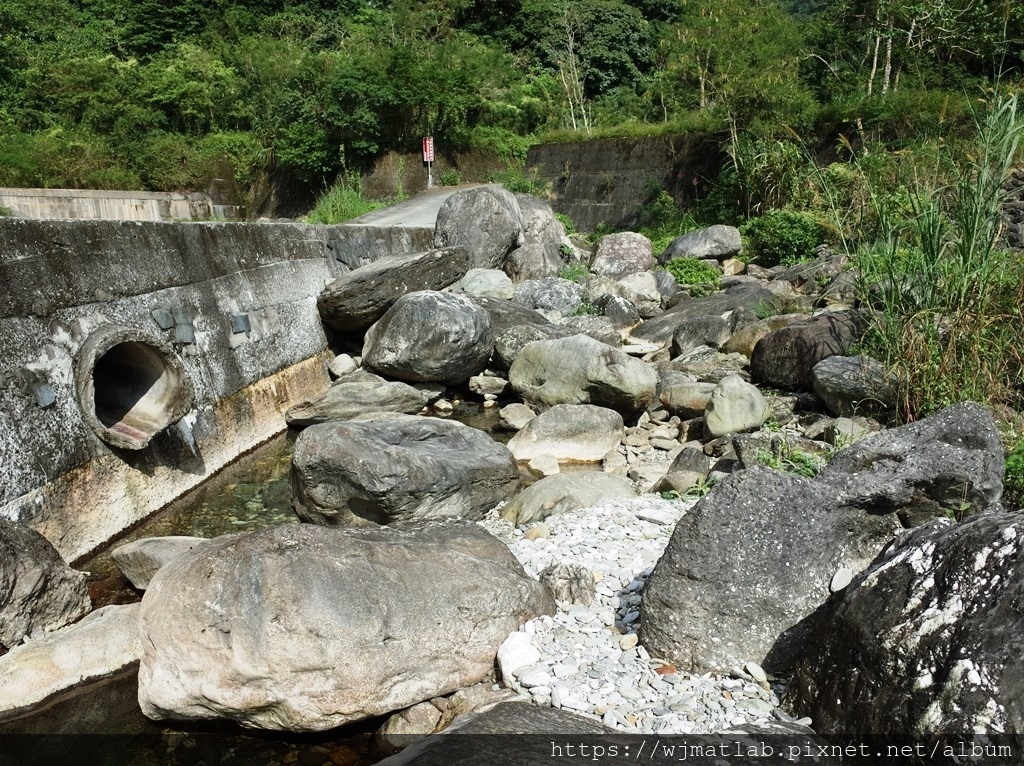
430 337
486 220
358 299
952 461
346 400
622 313
581 370
660 329
784 358
747 564
305 628
399 469
925 646
600 328
38 591
510 342
756 556
540 226
712 330
854 385
534 262
718 242
550 294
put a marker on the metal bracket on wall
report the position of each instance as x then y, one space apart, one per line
240 323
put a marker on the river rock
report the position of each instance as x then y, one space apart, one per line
486 220
550 294
687 399
540 225
581 370
38 591
534 262
661 328
851 385
430 337
755 557
564 492
572 433
784 358
745 338
924 646
600 328
492 283
359 298
345 400
140 559
718 242
735 406
305 628
103 644
384 471
624 253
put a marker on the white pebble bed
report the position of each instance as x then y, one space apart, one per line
586 658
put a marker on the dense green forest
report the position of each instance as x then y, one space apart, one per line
144 94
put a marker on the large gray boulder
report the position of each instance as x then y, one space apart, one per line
487 221
359 298
852 385
565 492
492 283
550 294
382 471
757 555
718 242
952 461
925 646
624 253
735 406
430 337
346 400
661 328
508 343
38 591
540 226
571 433
534 262
581 370
784 358
306 628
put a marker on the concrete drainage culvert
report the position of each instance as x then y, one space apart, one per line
130 386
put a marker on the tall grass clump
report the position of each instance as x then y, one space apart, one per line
944 297
342 202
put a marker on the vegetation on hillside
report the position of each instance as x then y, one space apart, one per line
146 94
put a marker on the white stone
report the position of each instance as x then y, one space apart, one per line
516 652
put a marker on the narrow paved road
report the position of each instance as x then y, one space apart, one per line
417 212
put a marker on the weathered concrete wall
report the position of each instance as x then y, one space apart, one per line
608 180
62 281
58 204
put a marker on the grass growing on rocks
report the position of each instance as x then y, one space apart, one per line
342 202
945 297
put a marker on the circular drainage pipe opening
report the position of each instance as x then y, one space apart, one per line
130 387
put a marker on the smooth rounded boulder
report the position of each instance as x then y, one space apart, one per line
565 492
581 370
430 337
571 433
349 399
487 221
398 469
305 628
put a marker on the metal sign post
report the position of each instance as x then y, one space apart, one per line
428 157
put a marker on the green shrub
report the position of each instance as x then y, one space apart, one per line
791 460
448 177
566 221
945 300
518 182
342 202
782 236
691 272
1013 478
574 273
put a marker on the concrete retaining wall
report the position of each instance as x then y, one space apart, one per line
54 204
608 181
65 280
